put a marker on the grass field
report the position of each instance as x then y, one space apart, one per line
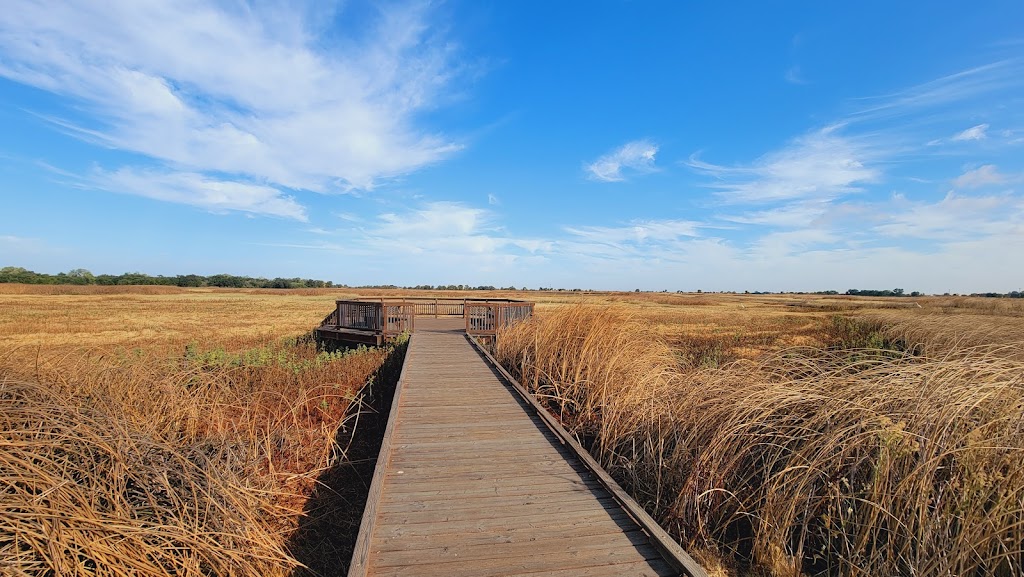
156 430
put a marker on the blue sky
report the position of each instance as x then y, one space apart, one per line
607 145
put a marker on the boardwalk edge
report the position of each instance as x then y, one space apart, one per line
361 552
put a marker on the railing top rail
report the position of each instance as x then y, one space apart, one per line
416 300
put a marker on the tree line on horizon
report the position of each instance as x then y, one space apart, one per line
81 276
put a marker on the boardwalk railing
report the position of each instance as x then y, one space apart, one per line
483 319
440 307
385 319
378 320
330 320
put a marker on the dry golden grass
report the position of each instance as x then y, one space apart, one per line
156 430
813 460
172 432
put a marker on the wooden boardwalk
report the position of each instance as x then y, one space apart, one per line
471 482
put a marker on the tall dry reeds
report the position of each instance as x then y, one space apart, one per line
132 462
945 331
808 461
85 493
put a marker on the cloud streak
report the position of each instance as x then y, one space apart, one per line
972 133
984 175
822 164
941 92
214 195
637 156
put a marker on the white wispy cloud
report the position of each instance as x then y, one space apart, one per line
658 240
16 247
247 91
445 230
431 241
984 175
941 92
639 231
822 164
435 220
775 245
795 214
954 217
972 133
199 190
637 156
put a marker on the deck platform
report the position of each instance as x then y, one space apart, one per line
351 336
472 482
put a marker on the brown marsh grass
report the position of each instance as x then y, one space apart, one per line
157 430
173 432
807 460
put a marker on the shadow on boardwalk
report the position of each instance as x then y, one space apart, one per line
329 525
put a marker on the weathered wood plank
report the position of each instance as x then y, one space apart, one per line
493 480
477 533
471 504
478 493
526 465
524 562
567 522
439 481
600 545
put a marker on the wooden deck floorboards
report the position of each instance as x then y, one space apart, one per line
475 484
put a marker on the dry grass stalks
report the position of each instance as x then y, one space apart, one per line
84 496
142 461
807 461
940 332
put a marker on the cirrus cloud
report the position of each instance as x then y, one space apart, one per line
973 133
984 175
215 195
637 156
822 164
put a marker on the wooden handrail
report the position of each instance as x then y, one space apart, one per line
388 318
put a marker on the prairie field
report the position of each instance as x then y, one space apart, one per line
158 430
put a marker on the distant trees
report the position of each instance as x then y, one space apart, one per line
1009 295
898 292
451 287
81 276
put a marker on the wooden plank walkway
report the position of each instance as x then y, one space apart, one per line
472 482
